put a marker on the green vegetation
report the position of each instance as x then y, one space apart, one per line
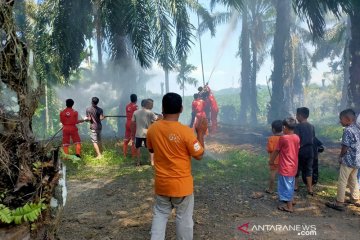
28 213
111 164
241 167
329 132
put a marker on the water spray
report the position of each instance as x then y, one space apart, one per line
229 31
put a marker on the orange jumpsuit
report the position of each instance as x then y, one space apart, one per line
214 112
130 109
69 119
198 107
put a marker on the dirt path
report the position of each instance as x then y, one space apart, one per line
122 209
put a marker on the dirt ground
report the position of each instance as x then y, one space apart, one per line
121 208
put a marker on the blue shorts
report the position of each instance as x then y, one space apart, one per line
286 188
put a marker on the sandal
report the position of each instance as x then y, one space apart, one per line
335 206
268 191
285 209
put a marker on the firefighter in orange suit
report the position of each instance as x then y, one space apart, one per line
201 124
130 109
69 119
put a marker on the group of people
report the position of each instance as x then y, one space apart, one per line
293 152
294 149
136 126
204 112
171 143
69 118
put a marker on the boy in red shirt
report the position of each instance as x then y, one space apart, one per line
69 119
130 109
288 150
173 145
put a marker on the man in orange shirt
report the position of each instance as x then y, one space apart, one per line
173 145
130 109
69 119
201 124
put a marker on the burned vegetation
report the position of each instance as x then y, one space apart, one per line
29 170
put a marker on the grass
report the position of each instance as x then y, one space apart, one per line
112 164
234 167
329 132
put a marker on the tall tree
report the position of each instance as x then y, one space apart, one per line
261 29
244 48
256 17
335 45
314 12
184 70
282 34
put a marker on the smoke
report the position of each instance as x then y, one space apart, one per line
232 25
113 86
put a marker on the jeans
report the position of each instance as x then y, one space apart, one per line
184 222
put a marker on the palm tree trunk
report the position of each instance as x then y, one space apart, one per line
253 90
282 32
346 66
98 32
166 80
245 69
47 118
354 84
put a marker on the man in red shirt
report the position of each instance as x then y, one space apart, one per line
69 119
130 109
198 109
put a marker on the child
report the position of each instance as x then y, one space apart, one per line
349 160
276 127
288 150
69 119
306 133
173 145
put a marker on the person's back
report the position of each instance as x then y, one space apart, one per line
172 142
69 118
130 109
306 133
288 154
288 150
198 106
93 113
143 118
173 145
276 127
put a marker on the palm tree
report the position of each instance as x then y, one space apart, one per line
282 34
315 11
184 69
256 17
261 24
146 26
328 47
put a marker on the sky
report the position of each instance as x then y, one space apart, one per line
219 54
